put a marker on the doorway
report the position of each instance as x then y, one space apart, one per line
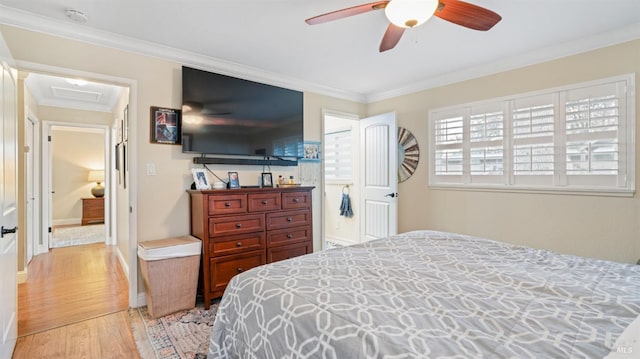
341 139
360 178
73 124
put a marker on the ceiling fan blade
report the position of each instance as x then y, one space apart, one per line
391 37
339 14
467 15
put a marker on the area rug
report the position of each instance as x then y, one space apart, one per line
181 335
77 235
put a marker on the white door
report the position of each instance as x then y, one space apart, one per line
8 204
378 173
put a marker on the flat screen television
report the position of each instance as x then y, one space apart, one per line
224 115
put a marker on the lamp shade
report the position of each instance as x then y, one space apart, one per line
410 13
96 176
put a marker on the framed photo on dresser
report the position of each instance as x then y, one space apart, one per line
267 179
234 180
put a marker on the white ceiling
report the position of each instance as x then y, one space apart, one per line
268 40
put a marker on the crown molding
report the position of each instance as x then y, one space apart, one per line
37 23
537 56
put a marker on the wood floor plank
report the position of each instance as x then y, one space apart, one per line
115 342
83 340
49 344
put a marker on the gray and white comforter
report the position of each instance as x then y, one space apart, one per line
428 294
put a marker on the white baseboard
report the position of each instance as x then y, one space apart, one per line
22 276
123 264
66 221
142 299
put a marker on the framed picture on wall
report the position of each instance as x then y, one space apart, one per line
310 151
165 125
125 124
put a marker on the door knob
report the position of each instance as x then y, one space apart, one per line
392 195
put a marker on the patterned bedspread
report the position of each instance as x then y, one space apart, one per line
427 294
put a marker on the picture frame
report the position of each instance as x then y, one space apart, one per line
119 131
200 178
165 125
234 180
117 164
125 163
125 124
310 151
267 179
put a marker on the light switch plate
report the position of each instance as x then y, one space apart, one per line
151 169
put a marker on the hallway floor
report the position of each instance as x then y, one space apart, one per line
70 285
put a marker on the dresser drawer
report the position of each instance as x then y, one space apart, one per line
288 252
288 219
296 200
286 236
260 202
236 244
227 204
230 225
222 269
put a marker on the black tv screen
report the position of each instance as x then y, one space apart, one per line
224 115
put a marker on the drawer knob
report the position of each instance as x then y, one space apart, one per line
289 236
239 244
228 204
239 270
296 200
264 201
238 225
289 219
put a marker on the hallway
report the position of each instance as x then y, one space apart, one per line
69 285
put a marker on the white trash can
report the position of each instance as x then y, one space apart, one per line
170 269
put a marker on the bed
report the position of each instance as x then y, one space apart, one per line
428 294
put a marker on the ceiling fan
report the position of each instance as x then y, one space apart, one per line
404 14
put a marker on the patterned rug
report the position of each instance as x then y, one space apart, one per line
181 335
77 235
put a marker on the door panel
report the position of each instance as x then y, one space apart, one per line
8 204
379 162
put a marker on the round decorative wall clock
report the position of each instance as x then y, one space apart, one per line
408 154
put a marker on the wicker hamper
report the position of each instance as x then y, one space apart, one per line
169 269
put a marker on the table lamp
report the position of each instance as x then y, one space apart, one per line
97 176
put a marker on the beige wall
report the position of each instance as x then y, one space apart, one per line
74 153
120 198
593 226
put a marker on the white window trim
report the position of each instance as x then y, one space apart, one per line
628 125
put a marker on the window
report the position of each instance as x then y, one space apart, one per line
337 155
577 138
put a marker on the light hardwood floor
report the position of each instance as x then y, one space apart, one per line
65 287
108 336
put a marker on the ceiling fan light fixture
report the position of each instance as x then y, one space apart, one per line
410 13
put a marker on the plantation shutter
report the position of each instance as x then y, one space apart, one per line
337 156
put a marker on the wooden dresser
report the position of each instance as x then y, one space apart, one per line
92 210
244 228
